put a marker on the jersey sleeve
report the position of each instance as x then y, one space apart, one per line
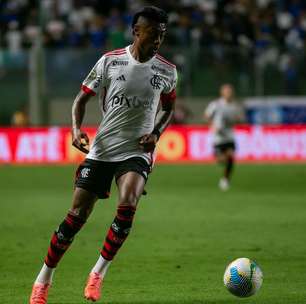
168 95
95 80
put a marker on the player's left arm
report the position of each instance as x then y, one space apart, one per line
240 116
167 99
149 141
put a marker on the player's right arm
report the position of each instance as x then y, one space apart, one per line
80 139
240 116
209 112
90 87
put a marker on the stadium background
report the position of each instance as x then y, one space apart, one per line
47 47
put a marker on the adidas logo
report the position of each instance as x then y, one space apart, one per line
122 78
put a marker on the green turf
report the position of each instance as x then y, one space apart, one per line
186 232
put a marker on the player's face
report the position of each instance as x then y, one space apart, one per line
151 36
227 92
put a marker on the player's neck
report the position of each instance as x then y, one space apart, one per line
138 53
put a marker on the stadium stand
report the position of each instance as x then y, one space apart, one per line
250 24
246 42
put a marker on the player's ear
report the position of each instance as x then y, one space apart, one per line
136 30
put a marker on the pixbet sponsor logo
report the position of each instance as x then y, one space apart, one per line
131 102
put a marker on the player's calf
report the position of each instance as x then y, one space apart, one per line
116 235
60 242
118 231
62 239
229 165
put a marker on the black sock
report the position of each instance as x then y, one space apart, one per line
229 165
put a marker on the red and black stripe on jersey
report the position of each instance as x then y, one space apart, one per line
116 52
162 59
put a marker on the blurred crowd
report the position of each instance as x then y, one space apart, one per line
95 23
262 32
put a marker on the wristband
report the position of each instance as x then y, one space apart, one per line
157 133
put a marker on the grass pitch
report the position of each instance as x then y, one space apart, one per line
185 233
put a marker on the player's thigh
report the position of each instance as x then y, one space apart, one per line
130 186
83 202
230 153
220 157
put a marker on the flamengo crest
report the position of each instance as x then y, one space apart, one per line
156 82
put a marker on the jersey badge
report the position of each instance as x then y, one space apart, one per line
156 82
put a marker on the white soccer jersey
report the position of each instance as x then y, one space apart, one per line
129 95
223 116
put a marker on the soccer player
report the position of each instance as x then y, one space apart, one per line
223 114
131 82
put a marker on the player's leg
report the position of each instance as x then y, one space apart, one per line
82 205
130 186
229 163
227 157
221 159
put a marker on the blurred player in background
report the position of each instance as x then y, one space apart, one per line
131 83
223 114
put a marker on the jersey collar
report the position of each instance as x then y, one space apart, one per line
136 61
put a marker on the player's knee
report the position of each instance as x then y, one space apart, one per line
82 211
82 203
230 157
129 199
221 159
229 153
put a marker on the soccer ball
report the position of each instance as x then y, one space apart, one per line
243 277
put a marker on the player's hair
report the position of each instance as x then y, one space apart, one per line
151 13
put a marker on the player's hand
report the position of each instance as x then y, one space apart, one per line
80 140
218 130
148 142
